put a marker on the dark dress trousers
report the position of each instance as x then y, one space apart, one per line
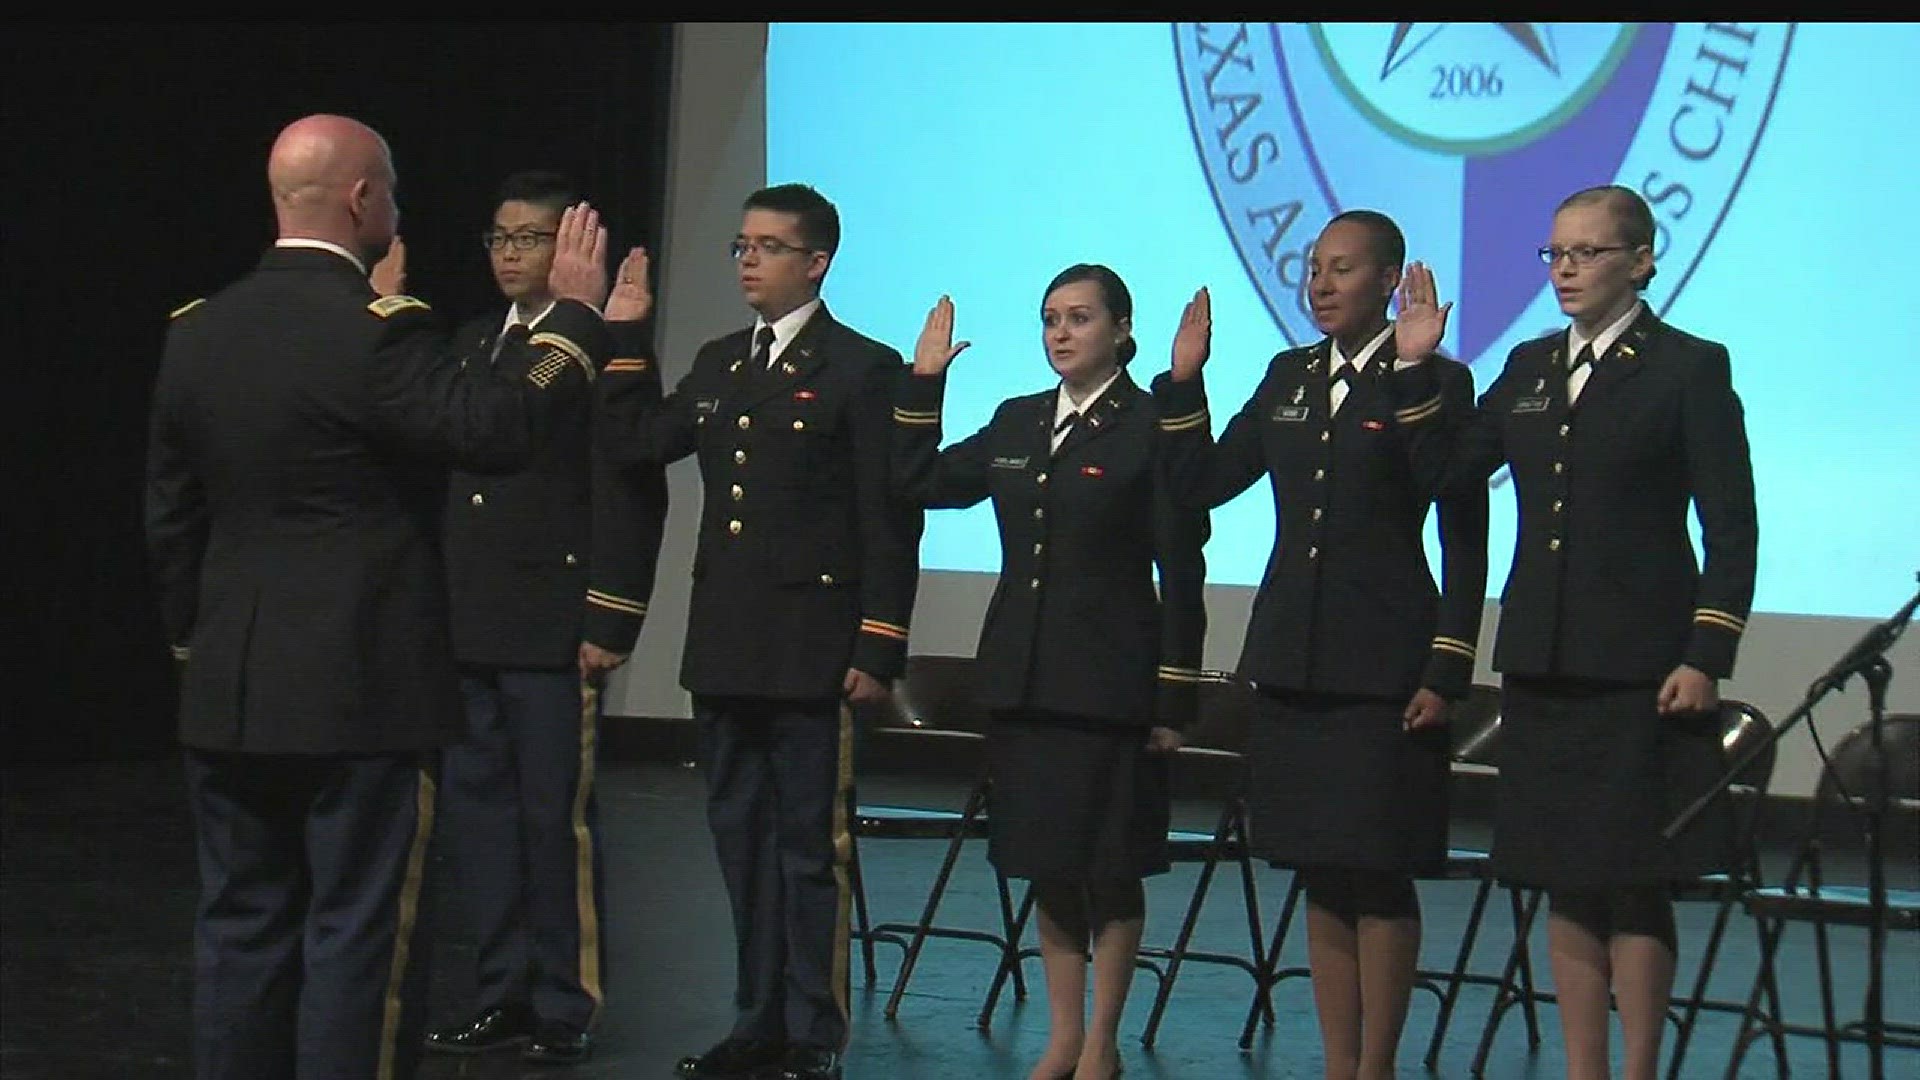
1347 623
1606 598
1079 655
301 434
805 566
539 558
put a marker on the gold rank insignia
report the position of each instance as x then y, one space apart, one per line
388 306
184 308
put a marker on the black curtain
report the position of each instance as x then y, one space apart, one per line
135 159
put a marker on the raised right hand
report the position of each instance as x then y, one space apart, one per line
632 297
935 349
580 257
1193 341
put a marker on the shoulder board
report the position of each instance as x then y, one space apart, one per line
186 307
388 306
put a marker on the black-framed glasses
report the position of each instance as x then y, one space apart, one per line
1579 255
766 246
521 241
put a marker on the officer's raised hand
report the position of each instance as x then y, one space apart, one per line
580 258
1422 320
389 276
1193 341
935 349
632 296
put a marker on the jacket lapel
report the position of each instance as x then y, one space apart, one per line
1622 360
799 361
1101 416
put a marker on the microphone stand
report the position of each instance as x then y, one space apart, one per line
1867 659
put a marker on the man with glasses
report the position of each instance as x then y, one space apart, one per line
549 566
803 581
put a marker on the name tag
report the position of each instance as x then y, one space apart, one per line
1531 404
1010 463
1291 414
706 406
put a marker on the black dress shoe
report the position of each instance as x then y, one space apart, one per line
500 1026
557 1044
734 1058
810 1063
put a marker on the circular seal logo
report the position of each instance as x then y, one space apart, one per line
1469 134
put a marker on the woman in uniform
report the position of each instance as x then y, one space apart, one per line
1090 676
1355 653
1612 637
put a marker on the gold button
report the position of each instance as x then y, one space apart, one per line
738 492
1325 435
734 527
478 499
1557 504
1313 553
571 560
1041 479
1564 428
739 457
1035 583
744 422
1316 513
1553 544
1038 548
1319 474
1559 467
1039 513
826 579
799 425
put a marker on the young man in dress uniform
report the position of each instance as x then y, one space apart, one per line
803 582
301 431
524 547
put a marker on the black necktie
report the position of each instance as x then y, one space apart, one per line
1066 423
514 336
763 347
1342 374
1584 358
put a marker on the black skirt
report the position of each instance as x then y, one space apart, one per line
1335 782
1075 799
1590 773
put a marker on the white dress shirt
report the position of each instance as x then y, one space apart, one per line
322 245
786 327
1063 406
1601 343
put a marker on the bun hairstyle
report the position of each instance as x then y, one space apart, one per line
1113 293
1631 215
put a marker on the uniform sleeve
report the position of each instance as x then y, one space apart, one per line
176 507
1201 473
1180 537
924 474
637 423
1720 472
629 512
479 419
1463 568
889 527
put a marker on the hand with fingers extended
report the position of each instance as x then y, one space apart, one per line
935 349
632 296
389 276
1422 319
1193 341
580 257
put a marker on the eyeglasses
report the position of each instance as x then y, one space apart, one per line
767 246
1579 255
521 241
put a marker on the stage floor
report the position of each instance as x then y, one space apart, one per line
97 890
